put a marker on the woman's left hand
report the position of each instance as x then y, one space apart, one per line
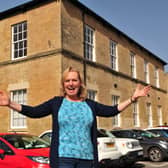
140 91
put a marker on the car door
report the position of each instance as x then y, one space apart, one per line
7 161
10 160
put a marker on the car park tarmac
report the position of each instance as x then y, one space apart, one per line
149 164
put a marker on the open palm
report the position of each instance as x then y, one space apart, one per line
141 91
4 99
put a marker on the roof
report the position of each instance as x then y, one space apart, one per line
22 8
35 3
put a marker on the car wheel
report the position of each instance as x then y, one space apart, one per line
155 154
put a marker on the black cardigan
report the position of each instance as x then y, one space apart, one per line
52 107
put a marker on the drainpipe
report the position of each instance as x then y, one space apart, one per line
84 60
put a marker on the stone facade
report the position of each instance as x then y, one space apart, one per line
56 41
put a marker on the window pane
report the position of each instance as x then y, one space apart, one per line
91 94
24 35
135 115
115 119
20 27
18 120
15 29
25 43
20 36
149 112
132 65
113 55
89 43
16 54
19 47
15 37
16 46
25 52
20 53
25 26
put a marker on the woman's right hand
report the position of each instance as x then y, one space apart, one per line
4 99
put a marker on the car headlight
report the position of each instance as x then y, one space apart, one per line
161 141
129 145
164 143
39 159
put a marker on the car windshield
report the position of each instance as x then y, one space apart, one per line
145 134
133 134
165 132
101 133
160 132
47 136
109 134
22 141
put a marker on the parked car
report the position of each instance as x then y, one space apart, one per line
112 150
130 149
23 151
159 131
155 148
164 125
108 153
46 135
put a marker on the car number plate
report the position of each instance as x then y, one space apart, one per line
109 145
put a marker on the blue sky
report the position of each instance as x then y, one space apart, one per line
145 21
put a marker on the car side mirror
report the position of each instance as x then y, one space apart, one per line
2 154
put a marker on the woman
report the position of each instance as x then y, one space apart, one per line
74 139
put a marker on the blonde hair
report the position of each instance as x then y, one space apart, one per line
82 91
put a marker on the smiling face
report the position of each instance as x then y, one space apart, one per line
72 85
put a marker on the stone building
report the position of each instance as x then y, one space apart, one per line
41 38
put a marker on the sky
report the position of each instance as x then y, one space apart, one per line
144 21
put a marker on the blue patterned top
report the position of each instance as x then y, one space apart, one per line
52 106
75 121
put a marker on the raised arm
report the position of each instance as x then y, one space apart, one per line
139 92
37 111
6 101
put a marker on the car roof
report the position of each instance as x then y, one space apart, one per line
159 128
10 133
130 129
14 133
48 131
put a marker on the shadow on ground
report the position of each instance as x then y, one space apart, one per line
138 165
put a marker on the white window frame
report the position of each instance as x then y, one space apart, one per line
156 76
135 111
146 71
19 40
113 55
149 113
18 120
92 94
133 64
89 43
116 120
160 115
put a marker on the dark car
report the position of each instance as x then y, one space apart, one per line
155 148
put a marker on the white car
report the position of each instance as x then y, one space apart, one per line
130 149
108 153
